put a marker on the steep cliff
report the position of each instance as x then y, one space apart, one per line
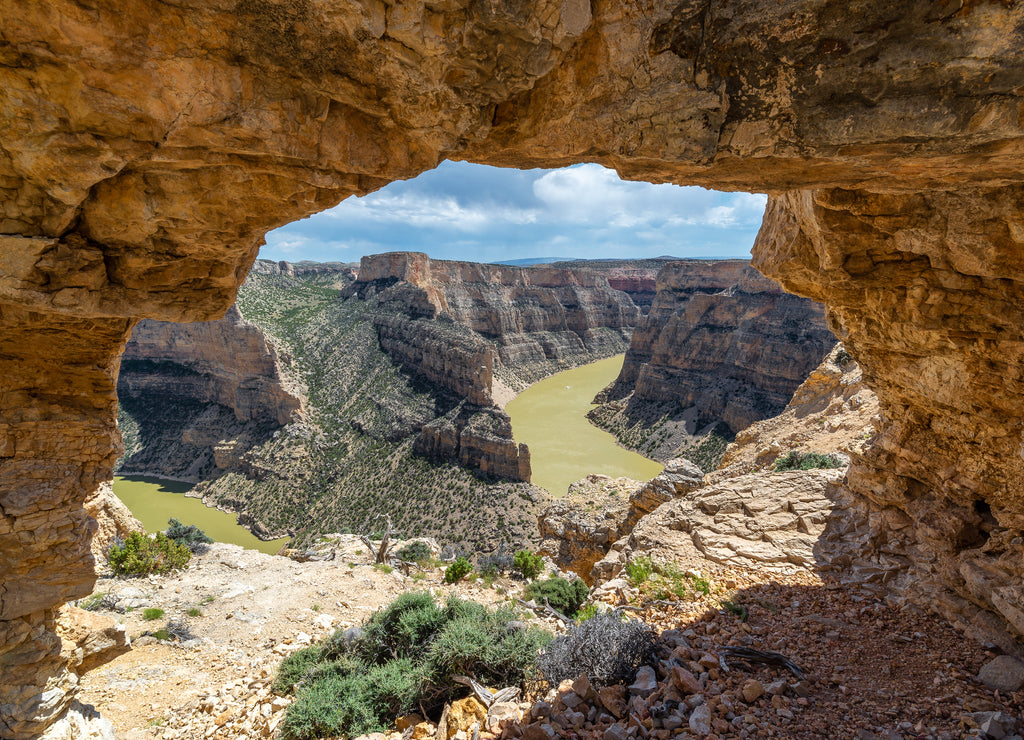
527 322
721 348
195 397
143 161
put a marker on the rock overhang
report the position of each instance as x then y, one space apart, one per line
148 147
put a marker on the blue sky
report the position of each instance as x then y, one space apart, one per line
485 214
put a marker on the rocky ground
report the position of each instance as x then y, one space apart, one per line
868 669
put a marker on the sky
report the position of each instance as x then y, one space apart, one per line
486 214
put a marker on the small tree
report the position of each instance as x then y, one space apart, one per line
189 535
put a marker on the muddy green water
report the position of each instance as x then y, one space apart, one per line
550 416
154 500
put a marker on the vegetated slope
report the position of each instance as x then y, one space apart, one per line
721 348
351 460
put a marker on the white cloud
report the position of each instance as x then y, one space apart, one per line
428 211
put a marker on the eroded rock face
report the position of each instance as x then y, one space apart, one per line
114 521
148 147
579 531
227 361
925 291
724 342
523 322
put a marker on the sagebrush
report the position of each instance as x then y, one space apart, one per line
403 659
606 648
141 555
807 461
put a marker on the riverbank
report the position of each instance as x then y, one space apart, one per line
551 417
154 500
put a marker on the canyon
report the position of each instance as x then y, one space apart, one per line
721 348
148 148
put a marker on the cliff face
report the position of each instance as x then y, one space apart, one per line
926 292
195 397
228 362
524 322
726 341
143 162
721 348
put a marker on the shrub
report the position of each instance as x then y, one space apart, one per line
194 612
141 555
528 564
604 647
152 613
189 535
639 570
807 461
589 611
457 571
415 552
359 681
494 563
561 594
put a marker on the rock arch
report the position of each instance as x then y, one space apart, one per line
145 148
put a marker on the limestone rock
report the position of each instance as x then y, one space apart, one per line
833 411
113 519
722 341
769 521
143 162
89 640
80 722
228 361
1003 673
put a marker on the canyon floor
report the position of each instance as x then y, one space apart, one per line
871 670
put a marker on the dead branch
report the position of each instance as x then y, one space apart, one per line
766 657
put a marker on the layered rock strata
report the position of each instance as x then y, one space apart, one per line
833 412
482 331
534 319
142 162
479 439
196 396
577 533
228 362
721 343
925 291
765 521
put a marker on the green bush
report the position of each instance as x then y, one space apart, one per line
806 461
359 681
141 555
152 613
564 595
528 564
639 570
415 552
189 535
457 571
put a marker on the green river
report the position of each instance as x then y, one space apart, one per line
550 417
154 500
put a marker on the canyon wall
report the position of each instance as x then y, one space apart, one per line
228 362
195 397
537 319
925 290
724 340
143 161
